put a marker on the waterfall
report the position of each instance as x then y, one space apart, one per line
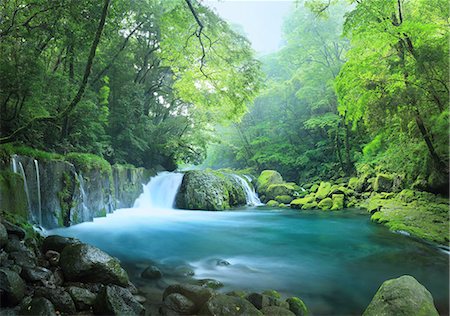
14 163
38 181
160 192
25 184
250 194
83 195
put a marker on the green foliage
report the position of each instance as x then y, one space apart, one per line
88 162
19 149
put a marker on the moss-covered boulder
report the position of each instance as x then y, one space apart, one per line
272 203
12 194
297 306
267 178
310 205
403 296
279 189
325 204
338 202
383 183
228 305
314 188
323 190
86 263
298 203
209 190
285 199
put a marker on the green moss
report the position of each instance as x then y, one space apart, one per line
309 205
272 203
285 199
297 306
279 189
23 150
12 194
338 202
298 203
325 204
266 178
314 188
323 190
88 162
383 183
65 197
272 293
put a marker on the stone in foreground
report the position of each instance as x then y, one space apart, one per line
85 263
403 296
228 305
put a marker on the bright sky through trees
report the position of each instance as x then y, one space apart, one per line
261 20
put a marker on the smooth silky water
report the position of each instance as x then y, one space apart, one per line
334 261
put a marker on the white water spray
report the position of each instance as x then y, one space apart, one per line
14 163
250 194
83 195
160 192
38 182
25 184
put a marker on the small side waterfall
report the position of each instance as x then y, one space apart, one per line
25 185
14 163
38 181
250 194
83 196
160 192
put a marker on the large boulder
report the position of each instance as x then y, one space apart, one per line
197 294
383 183
12 288
39 306
338 202
208 190
298 203
228 305
403 296
323 190
297 306
59 297
180 304
86 263
83 298
57 243
325 204
3 236
262 300
115 300
281 189
267 178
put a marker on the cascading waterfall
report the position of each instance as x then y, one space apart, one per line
160 192
250 194
25 185
38 182
14 163
83 195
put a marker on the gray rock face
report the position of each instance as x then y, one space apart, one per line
85 263
38 307
403 296
228 305
61 299
180 304
12 288
3 236
276 311
197 294
82 298
115 300
206 190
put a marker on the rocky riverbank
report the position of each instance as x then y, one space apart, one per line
410 211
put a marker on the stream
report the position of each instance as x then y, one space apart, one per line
334 261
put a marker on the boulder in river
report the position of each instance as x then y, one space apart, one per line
197 294
86 263
297 306
57 243
180 304
228 305
403 296
151 273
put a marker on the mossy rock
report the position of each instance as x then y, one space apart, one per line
272 203
279 189
383 183
338 202
403 296
325 204
297 306
314 188
272 293
298 203
323 190
309 205
267 178
338 189
12 194
285 199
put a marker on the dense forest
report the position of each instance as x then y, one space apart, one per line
357 85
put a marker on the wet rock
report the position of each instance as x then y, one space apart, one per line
58 277
183 271
151 273
82 298
180 304
81 262
36 274
276 311
53 257
228 305
210 283
260 300
115 300
403 296
15 244
238 293
272 293
39 306
197 294
59 297
12 288
140 298
14 230
57 243
3 236
222 263
24 258
297 306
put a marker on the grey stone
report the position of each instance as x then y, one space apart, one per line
57 243
276 311
197 294
59 297
36 274
115 300
12 288
38 306
3 236
180 304
86 263
228 305
151 272
82 298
